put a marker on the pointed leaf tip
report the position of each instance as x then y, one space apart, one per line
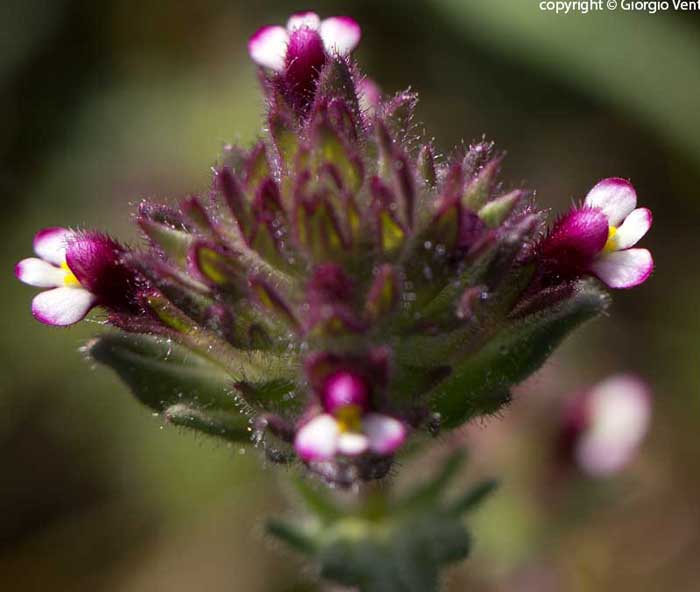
228 425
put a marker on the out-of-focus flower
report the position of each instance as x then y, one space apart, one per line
596 238
369 95
604 427
82 270
347 425
275 47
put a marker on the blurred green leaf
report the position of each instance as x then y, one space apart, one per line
317 500
427 493
383 543
292 535
644 64
473 498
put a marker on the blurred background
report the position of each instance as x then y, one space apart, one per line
106 102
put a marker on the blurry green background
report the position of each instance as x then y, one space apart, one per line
106 102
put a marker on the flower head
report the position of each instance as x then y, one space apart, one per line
597 238
81 270
349 286
603 427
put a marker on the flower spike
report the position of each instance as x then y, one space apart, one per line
342 286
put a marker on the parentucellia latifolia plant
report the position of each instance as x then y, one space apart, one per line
340 294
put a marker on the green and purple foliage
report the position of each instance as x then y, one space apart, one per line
341 288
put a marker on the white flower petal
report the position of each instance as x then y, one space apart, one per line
619 415
340 34
318 439
352 444
62 306
268 46
623 269
635 226
309 20
50 244
39 273
385 433
616 197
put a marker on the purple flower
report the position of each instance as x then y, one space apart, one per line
618 265
82 270
275 47
596 238
604 426
348 426
296 54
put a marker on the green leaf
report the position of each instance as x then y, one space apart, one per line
473 498
426 166
398 115
175 243
480 383
285 137
271 395
293 536
336 80
429 492
497 210
383 544
230 425
405 558
363 563
317 501
479 188
423 546
161 373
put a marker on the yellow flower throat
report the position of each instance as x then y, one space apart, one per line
69 279
349 418
611 244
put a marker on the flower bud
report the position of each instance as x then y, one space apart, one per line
344 388
303 62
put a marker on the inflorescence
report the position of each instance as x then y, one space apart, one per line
340 287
